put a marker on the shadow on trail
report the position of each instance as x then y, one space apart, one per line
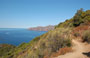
86 53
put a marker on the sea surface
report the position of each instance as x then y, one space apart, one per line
17 36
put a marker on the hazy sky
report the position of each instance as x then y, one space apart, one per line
31 13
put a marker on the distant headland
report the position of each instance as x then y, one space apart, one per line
41 28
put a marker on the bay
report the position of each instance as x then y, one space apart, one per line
16 36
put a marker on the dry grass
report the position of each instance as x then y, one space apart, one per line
61 51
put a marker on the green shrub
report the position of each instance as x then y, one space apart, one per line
87 18
76 34
5 49
77 19
86 36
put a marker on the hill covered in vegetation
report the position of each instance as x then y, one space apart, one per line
57 41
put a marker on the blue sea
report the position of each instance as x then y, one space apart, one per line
17 36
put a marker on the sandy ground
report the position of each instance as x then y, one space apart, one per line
78 49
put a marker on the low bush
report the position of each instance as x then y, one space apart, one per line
5 49
86 36
76 34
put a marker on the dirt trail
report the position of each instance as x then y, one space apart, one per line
78 48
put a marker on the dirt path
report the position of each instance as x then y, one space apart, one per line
78 48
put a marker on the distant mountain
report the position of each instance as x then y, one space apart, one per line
40 28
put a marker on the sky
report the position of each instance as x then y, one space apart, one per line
32 13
